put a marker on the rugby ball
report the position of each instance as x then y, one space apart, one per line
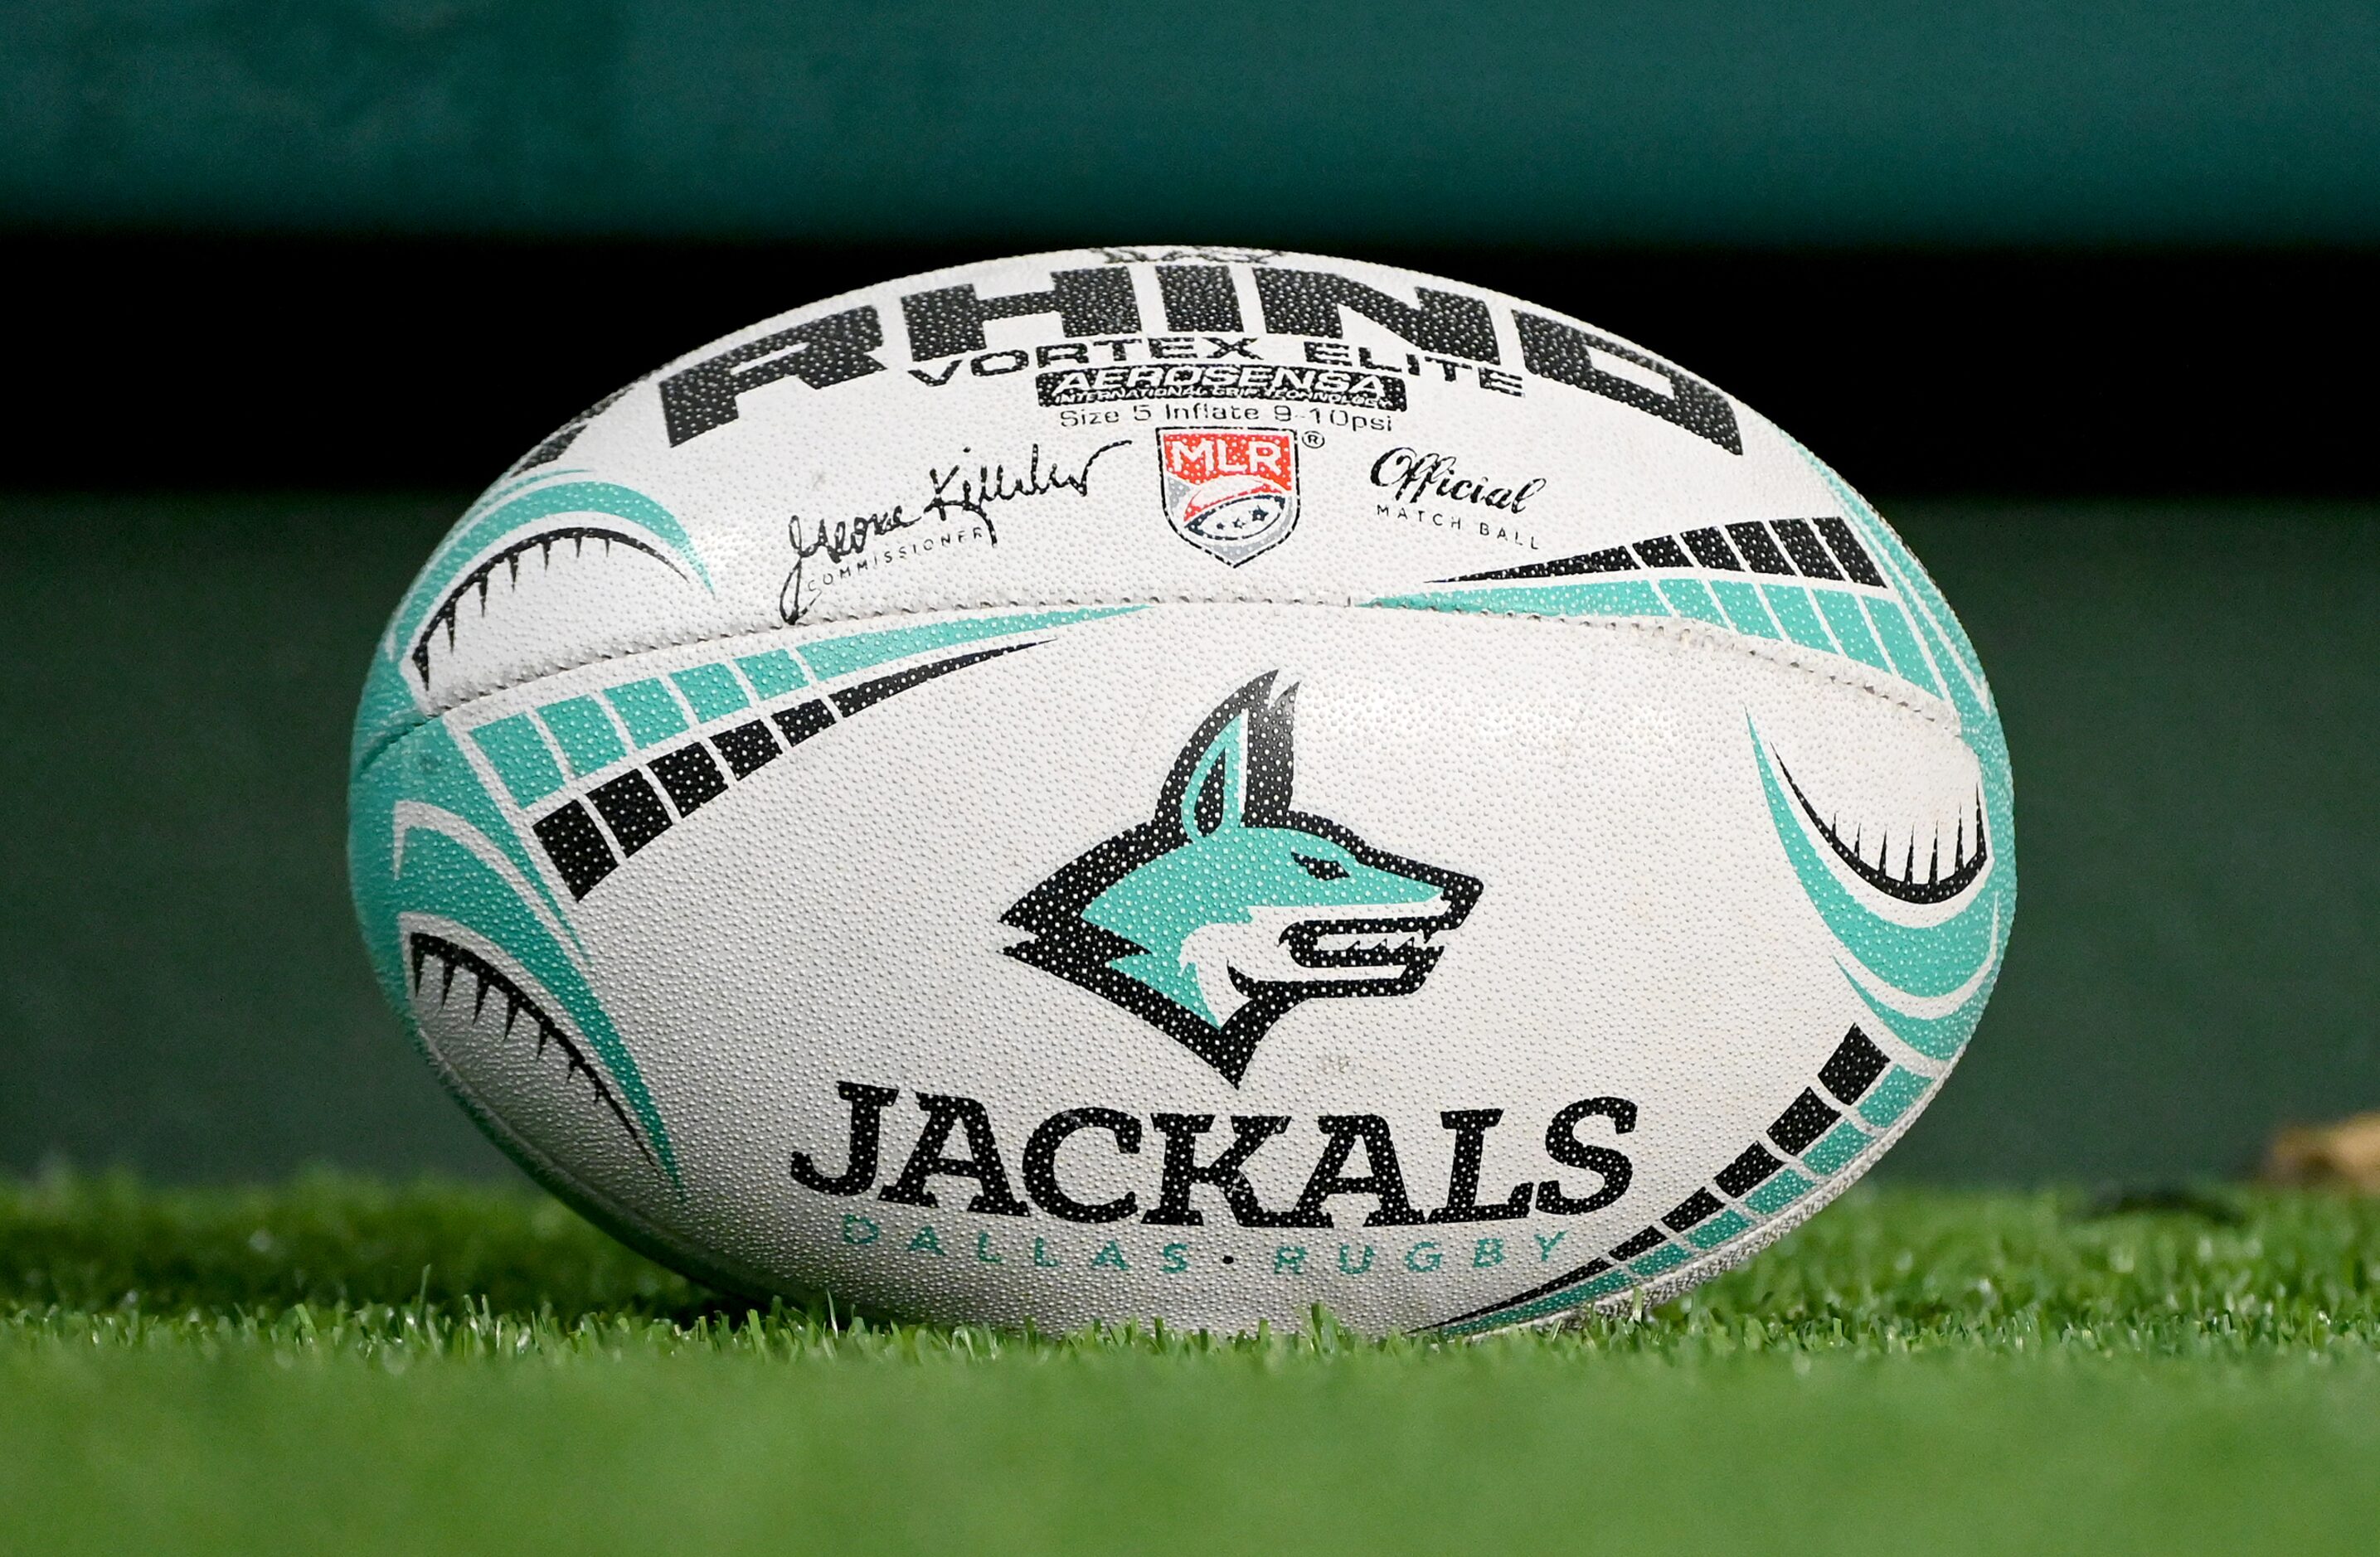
1183 783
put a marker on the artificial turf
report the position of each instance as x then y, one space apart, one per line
340 1365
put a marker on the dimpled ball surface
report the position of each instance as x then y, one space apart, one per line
1184 783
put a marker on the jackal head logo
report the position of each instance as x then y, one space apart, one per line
1226 908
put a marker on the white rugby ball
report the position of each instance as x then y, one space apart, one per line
1183 783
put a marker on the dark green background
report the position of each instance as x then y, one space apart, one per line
1339 122
2190 693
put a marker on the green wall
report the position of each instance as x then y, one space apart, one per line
1395 122
2190 691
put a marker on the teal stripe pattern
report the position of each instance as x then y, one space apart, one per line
430 845
861 651
712 691
699 730
646 706
1925 982
585 733
1849 624
1924 962
518 754
1893 1096
1779 1192
1744 611
1836 1149
1669 1257
1724 1227
1814 583
1619 598
1800 620
446 856
1687 596
1901 642
772 674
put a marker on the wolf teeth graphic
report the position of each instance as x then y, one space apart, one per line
1224 910
1966 866
538 514
441 877
1926 974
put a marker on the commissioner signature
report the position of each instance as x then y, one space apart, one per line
973 490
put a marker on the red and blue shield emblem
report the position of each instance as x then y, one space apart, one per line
1230 493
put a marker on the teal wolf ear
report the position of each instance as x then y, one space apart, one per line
1217 796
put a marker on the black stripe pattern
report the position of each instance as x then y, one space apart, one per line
1821 548
1847 1075
632 807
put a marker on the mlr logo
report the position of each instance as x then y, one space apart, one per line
1231 494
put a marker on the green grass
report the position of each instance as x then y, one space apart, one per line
344 1366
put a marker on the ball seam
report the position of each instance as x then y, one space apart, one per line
1694 633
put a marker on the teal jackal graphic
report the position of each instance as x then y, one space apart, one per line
1213 918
